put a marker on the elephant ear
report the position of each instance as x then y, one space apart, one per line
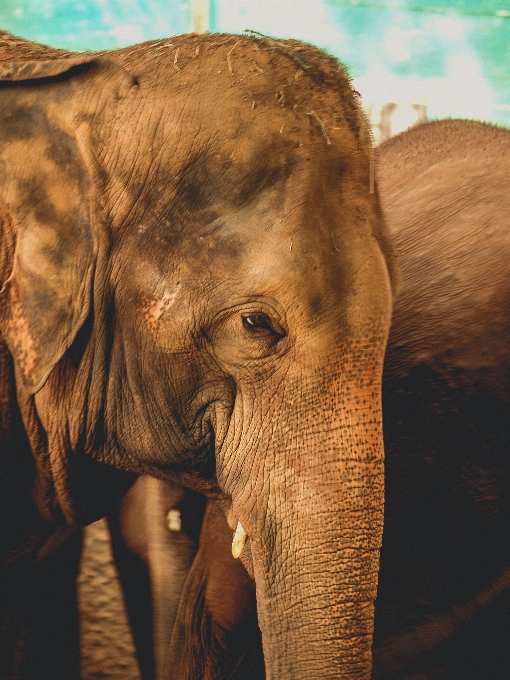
47 202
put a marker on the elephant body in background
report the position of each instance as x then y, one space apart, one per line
197 286
443 607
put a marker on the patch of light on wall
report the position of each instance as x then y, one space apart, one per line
127 34
461 92
308 20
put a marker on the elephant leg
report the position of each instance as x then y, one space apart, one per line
39 623
154 540
216 635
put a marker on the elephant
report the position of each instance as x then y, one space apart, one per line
197 286
442 609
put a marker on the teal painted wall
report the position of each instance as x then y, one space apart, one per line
452 54
94 24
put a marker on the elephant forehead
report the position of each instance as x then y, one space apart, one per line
194 185
274 240
214 121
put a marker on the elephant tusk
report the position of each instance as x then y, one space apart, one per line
173 520
239 541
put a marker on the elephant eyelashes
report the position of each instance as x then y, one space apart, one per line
241 336
260 324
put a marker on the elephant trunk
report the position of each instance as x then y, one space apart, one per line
316 556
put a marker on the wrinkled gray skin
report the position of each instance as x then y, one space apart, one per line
161 209
442 609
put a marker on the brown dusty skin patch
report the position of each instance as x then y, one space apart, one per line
107 649
21 333
156 308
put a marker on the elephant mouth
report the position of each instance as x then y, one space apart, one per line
195 481
196 467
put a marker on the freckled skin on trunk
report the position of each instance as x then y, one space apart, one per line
200 290
300 555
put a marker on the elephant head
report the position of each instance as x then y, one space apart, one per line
197 287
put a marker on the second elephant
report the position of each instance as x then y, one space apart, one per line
443 608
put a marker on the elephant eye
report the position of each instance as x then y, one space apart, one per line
260 323
243 336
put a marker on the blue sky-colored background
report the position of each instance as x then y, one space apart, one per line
454 55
